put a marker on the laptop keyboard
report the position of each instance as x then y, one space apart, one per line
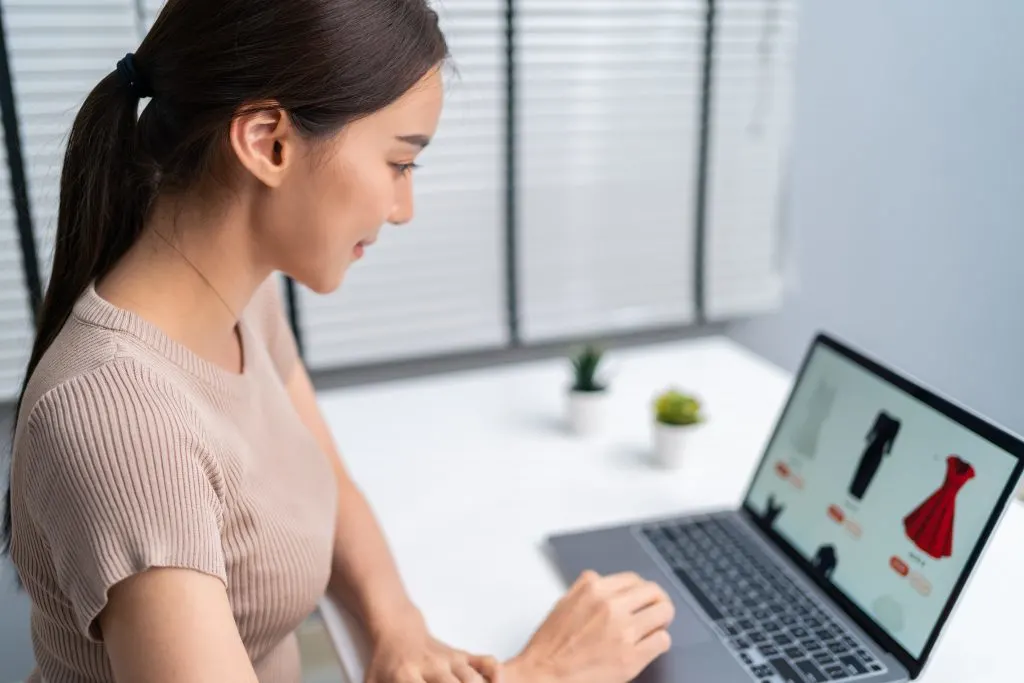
769 622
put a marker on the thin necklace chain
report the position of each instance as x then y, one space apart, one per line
199 273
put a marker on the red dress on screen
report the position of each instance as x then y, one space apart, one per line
930 526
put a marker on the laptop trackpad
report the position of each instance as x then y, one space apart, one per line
697 654
688 629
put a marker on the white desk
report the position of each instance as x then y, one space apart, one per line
469 472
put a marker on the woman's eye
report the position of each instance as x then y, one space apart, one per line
403 169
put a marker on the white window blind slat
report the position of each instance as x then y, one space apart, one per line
15 316
608 128
750 117
59 50
435 286
150 10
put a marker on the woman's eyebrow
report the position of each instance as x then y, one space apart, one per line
420 141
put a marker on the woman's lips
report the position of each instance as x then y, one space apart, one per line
360 248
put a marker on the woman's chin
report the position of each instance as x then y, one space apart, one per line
324 282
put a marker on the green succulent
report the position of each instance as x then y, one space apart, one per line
585 365
676 408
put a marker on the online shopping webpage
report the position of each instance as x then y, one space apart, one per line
884 495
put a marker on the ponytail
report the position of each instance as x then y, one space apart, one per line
105 192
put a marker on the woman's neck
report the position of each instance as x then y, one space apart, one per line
191 274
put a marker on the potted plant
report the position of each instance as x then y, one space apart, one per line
588 394
676 415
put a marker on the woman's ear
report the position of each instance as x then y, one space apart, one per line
264 140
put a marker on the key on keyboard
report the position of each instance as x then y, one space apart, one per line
774 628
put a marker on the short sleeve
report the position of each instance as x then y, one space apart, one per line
271 323
118 481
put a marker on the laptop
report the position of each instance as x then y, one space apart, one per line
863 521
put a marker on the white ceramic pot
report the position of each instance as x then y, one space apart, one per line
670 443
587 411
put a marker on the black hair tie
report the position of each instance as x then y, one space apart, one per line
132 78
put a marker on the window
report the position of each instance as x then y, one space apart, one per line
608 129
587 224
750 115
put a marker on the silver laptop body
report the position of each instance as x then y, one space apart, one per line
862 523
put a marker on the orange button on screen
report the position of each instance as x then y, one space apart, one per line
899 565
921 584
836 513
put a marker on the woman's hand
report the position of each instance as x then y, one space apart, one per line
412 655
605 630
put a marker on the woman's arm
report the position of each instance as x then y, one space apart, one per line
605 630
173 626
365 579
119 491
364 576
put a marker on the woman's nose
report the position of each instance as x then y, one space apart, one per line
402 211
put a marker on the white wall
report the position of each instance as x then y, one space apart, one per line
907 204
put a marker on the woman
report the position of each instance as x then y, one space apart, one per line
177 506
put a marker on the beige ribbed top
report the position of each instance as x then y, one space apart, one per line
133 452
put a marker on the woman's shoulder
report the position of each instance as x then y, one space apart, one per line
97 395
105 367
90 369
112 409
113 427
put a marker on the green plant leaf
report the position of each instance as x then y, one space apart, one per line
673 407
585 365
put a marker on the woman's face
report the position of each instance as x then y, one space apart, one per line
335 195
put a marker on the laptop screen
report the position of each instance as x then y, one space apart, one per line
885 496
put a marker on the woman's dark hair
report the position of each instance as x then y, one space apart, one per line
325 63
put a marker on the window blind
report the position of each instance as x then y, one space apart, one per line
607 130
59 50
752 84
15 316
436 285
608 98
148 11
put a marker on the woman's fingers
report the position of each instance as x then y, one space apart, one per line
441 676
652 619
617 583
488 667
651 647
466 673
641 597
